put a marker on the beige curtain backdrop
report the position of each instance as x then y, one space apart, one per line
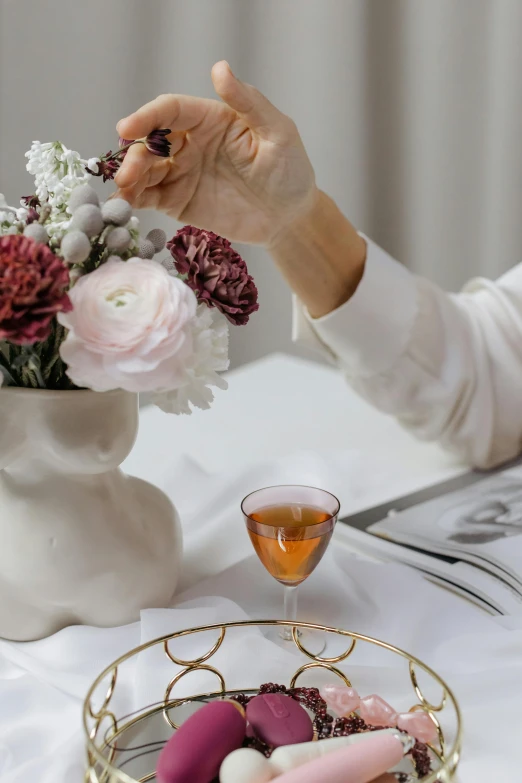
411 110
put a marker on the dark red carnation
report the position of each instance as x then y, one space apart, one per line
33 288
215 272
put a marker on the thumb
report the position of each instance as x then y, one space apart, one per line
256 110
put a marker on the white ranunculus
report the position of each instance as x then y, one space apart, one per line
209 358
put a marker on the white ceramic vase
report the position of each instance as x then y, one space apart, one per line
80 542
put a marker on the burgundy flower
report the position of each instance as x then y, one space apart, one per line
215 272
107 166
157 143
33 283
32 216
31 201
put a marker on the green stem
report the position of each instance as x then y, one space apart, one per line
116 154
6 369
35 368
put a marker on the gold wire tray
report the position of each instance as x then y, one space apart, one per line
123 746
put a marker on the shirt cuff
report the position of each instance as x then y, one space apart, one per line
370 332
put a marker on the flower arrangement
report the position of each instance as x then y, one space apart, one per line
86 302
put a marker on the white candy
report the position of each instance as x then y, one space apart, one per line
116 211
288 757
249 766
246 766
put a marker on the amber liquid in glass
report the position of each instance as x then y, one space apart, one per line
290 540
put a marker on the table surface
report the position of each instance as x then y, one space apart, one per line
280 405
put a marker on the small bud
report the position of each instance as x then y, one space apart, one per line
158 238
92 165
119 240
37 232
88 218
116 211
146 249
75 247
82 194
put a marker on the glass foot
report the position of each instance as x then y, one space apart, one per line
313 642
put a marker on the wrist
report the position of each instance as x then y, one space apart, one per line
298 221
321 255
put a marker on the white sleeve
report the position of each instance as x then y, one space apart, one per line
449 367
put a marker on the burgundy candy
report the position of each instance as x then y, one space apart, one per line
195 752
279 720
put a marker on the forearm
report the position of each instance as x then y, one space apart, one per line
448 367
321 256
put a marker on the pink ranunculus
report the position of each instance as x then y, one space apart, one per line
130 328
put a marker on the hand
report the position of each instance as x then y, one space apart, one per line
238 168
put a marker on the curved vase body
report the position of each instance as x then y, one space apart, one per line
80 542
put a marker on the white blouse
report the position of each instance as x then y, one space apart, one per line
448 366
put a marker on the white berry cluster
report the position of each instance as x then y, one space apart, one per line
110 229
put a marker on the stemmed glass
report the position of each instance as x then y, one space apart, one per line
290 528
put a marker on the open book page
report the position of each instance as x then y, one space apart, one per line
481 524
493 595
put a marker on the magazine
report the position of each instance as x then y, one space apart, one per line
468 539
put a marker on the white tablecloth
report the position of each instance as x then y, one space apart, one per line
281 421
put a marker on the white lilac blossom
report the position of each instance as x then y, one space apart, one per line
209 358
57 170
7 217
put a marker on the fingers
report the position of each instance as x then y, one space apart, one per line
256 110
136 163
146 199
139 160
178 112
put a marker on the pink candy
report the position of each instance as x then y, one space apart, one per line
376 712
418 725
341 699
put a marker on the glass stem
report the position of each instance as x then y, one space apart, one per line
290 611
